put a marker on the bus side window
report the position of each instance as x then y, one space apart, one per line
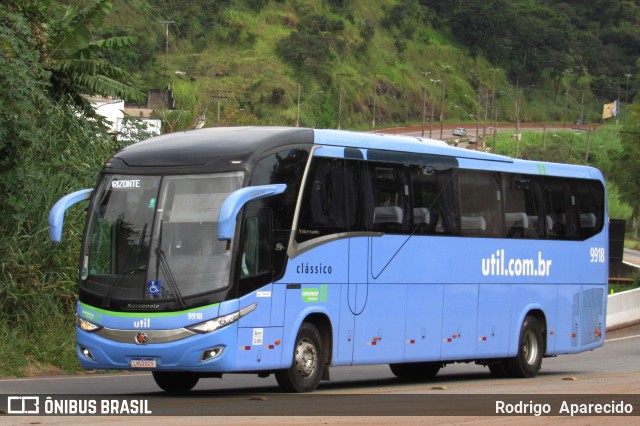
330 199
560 209
387 206
255 255
523 207
286 167
590 199
480 204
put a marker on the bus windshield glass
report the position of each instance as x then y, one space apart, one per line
153 238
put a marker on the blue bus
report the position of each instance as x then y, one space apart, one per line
287 251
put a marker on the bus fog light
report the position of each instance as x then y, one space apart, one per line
211 353
86 352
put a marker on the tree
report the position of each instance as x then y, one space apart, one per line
78 64
626 162
23 81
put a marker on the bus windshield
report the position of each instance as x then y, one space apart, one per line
153 238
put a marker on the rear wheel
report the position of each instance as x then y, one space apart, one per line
530 350
416 370
175 381
307 366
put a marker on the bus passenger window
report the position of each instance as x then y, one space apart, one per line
560 209
433 199
389 204
480 204
590 199
523 207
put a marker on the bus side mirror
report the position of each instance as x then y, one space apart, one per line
234 202
56 215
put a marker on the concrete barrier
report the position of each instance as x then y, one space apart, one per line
623 309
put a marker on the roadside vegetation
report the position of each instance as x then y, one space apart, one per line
338 63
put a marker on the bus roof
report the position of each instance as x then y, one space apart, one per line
225 147
211 147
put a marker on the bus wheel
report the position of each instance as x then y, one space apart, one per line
416 370
175 381
530 350
308 362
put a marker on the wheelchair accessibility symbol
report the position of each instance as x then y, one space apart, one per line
154 288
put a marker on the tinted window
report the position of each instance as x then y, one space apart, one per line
434 209
283 167
523 217
560 209
388 208
330 199
590 199
480 203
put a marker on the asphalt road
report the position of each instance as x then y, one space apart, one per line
632 256
366 390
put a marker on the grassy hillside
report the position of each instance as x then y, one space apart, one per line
348 57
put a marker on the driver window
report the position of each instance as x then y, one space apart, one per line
255 255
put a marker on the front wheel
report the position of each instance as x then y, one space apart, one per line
175 381
305 372
530 350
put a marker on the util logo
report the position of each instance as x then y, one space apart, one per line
143 323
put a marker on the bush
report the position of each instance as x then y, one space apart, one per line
37 279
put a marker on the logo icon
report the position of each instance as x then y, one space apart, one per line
23 405
154 288
141 338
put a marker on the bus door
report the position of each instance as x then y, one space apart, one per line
380 321
353 298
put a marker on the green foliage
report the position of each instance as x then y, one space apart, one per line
38 279
77 63
618 209
626 162
311 47
406 17
22 78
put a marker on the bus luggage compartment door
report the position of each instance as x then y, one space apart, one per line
353 297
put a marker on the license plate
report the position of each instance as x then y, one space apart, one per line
143 363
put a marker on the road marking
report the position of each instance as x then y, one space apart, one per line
622 338
91 376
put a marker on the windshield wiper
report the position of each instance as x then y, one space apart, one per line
163 264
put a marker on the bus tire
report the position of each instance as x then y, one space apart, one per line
175 381
528 361
307 364
416 370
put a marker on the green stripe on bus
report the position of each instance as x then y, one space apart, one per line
145 314
542 169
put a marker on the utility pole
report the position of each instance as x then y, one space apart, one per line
445 69
166 46
566 104
618 109
222 94
375 95
626 99
494 108
341 75
424 100
433 105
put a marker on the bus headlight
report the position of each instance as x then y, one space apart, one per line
87 326
220 322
